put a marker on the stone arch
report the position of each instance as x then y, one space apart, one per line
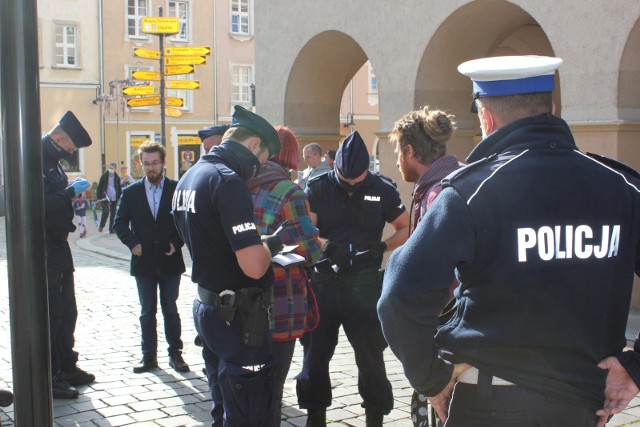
317 80
629 78
477 29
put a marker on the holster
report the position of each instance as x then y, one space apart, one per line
253 305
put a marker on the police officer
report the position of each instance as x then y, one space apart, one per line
232 267
543 240
350 206
60 143
212 136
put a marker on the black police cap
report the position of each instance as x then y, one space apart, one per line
78 134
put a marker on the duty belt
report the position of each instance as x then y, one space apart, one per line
226 297
470 376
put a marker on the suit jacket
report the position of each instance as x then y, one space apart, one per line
135 224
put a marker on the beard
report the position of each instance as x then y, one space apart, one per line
154 177
408 174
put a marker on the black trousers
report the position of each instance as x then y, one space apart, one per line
108 210
484 405
349 302
63 314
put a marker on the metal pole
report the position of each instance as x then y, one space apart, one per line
20 111
162 99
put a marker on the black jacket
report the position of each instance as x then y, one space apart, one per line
104 181
135 224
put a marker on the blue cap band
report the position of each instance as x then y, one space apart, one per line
514 87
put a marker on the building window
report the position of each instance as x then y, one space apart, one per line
66 49
180 10
372 95
240 17
134 141
136 10
72 164
241 78
186 95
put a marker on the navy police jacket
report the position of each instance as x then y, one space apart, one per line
543 240
213 212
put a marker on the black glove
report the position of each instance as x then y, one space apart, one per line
338 254
273 242
376 250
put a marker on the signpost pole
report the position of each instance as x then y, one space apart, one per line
162 113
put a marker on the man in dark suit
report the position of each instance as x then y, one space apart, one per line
144 223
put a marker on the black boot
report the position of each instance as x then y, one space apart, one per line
317 417
6 398
148 363
374 418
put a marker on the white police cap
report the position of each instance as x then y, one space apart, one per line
511 75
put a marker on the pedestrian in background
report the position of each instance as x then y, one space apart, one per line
60 143
144 224
276 200
109 191
350 206
316 165
544 242
80 206
125 179
330 158
232 266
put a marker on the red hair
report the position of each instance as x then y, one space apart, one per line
289 154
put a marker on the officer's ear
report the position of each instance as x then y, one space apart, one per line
489 120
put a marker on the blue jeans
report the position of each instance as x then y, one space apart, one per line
169 285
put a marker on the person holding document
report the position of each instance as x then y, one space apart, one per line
281 208
350 207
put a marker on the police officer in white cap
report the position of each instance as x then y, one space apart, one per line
543 240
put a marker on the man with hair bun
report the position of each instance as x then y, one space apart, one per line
421 139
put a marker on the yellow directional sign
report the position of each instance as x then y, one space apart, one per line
146 75
146 53
154 100
172 112
174 70
143 102
160 25
187 51
185 60
141 90
182 84
174 102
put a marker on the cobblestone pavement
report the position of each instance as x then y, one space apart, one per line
108 337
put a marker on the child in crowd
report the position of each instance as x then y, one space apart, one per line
80 206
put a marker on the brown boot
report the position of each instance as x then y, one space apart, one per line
317 417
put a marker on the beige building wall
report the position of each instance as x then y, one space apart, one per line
301 84
71 87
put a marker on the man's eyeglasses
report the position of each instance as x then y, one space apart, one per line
152 165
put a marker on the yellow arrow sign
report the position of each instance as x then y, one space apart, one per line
174 70
174 102
141 90
185 60
143 102
154 100
146 75
188 140
172 112
182 84
146 53
187 51
160 25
